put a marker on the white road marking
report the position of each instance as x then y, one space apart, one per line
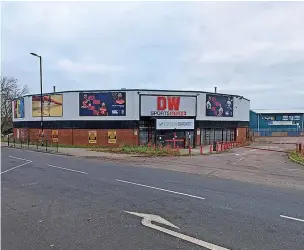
19 158
238 160
67 169
16 167
147 221
291 218
161 189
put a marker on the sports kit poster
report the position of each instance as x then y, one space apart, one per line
55 135
112 136
92 136
19 108
52 105
102 104
219 105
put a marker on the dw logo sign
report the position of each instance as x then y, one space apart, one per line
168 103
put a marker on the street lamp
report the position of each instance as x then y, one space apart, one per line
41 97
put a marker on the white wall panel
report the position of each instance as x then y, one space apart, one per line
71 107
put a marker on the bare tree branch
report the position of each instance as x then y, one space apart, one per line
10 90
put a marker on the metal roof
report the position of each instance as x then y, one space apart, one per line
139 90
278 111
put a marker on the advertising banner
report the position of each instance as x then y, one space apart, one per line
219 105
174 124
112 136
51 105
18 108
281 123
102 104
55 135
168 105
92 136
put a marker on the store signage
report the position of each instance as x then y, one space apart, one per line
112 138
281 123
174 124
55 135
297 118
92 136
168 105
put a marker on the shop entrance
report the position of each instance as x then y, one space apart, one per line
181 138
175 139
172 138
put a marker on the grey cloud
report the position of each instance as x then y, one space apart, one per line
254 49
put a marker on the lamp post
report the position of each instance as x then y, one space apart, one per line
41 97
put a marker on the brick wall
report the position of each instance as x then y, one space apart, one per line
241 134
81 136
198 137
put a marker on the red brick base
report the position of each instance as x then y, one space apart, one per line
81 136
241 135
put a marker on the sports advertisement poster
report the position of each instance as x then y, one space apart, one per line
219 105
52 105
112 138
102 104
19 108
92 136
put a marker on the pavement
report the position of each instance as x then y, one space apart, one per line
61 202
248 164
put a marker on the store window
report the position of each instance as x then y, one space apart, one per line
208 136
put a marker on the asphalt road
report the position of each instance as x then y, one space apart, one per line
61 202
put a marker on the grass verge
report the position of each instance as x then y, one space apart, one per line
140 150
296 157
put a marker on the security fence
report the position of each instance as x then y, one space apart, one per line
278 132
37 144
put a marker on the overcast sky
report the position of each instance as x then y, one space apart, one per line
253 49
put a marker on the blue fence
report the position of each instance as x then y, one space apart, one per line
278 132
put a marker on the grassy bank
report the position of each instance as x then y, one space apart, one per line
297 157
140 150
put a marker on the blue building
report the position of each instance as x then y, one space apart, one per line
277 122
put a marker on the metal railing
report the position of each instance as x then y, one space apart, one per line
277 132
34 144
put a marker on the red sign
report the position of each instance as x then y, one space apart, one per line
168 106
170 102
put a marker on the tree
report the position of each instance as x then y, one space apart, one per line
10 90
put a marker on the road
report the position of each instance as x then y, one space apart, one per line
60 202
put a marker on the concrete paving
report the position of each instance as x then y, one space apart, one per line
62 202
242 164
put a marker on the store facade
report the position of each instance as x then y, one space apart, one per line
135 117
167 119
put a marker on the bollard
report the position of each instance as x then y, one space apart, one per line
28 143
190 151
46 145
211 148
201 150
300 147
14 142
297 147
37 144
8 139
221 146
217 147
